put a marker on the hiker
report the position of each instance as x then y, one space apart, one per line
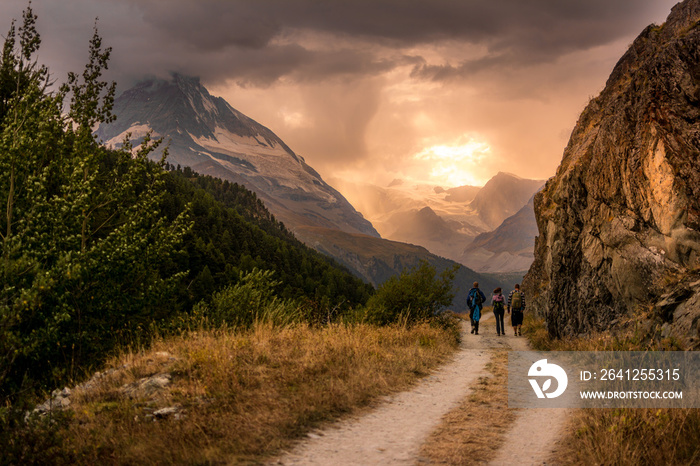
516 305
475 301
498 301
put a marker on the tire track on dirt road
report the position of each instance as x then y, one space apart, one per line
393 432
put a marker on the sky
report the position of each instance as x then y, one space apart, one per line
445 92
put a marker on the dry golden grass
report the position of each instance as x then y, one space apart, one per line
631 335
471 433
623 436
632 437
246 395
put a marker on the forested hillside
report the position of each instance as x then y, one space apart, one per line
103 248
234 233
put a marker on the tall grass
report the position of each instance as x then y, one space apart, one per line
243 395
623 436
633 437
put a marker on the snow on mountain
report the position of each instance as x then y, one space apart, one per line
136 131
210 136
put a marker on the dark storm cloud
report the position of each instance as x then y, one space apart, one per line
257 42
211 24
263 68
369 83
542 23
511 30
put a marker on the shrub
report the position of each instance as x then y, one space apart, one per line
415 295
251 300
33 439
83 240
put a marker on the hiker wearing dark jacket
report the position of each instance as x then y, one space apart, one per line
475 302
498 301
516 306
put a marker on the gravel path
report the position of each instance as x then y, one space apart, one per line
392 433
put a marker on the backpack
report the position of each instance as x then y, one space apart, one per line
517 301
498 304
476 298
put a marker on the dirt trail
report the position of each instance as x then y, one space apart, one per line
393 433
532 437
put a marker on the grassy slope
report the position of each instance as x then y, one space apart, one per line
244 395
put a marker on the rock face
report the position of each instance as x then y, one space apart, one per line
619 224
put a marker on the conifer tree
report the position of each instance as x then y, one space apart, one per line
83 238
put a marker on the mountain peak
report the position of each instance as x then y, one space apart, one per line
503 196
428 214
507 175
184 110
184 79
210 136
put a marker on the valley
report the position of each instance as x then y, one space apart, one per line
489 229
375 232
182 285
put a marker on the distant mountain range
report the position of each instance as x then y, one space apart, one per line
508 248
503 196
211 137
489 229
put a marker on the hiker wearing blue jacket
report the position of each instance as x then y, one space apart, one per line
475 302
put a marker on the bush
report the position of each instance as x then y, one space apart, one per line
251 300
83 241
415 295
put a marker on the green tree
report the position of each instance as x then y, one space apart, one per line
414 295
83 239
250 300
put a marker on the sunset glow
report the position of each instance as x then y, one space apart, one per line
455 165
373 90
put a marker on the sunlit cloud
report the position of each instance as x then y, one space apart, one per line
377 90
455 164
293 119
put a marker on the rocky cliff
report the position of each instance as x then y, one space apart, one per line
619 224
